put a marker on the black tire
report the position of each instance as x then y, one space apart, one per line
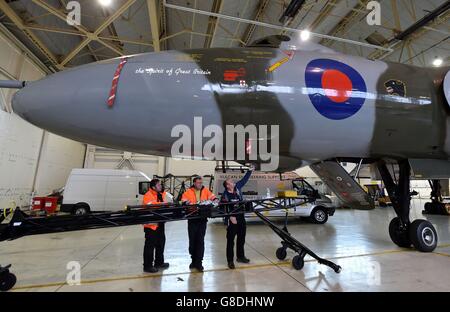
298 262
398 235
281 253
423 236
81 209
7 281
319 215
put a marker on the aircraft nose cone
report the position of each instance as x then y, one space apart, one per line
20 104
70 103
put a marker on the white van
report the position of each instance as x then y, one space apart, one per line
89 190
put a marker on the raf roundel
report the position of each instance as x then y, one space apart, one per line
336 90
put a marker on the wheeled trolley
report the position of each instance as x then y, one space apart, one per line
23 224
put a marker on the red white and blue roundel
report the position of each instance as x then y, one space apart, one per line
336 90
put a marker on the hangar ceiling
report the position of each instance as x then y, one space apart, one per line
416 31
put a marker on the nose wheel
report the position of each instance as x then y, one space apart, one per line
7 279
421 233
399 233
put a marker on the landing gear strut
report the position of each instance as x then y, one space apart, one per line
437 205
420 233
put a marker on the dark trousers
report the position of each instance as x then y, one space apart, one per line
197 231
234 230
154 246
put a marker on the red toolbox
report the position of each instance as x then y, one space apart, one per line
47 204
38 203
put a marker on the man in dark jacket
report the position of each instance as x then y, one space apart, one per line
236 224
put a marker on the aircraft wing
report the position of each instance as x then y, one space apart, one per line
343 185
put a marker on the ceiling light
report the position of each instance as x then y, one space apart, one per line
305 35
105 2
438 62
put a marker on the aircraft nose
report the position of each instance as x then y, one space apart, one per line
68 103
21 104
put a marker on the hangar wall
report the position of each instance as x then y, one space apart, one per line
30 159
105 158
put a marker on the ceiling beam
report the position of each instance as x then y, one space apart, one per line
347 22
89 36
212 23
396 15
94 36
154 24
288 22
262 6
10 36
163 23
324 13
111 28
80 34
9 12
412 36
268 25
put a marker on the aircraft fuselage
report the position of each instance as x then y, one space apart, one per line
326 105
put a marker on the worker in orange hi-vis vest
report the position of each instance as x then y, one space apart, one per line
197 194
155 238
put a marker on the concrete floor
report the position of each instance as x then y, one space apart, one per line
111 259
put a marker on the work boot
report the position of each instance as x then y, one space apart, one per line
243 260
192 265
162 266
231 265
200 268
151 269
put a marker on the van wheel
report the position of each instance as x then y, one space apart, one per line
7 281
319 215
81 210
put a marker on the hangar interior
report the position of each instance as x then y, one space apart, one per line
35 40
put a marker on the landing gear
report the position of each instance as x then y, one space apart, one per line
437 205
421 233
399 234
7 279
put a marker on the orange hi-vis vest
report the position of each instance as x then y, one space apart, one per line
205 194
151 198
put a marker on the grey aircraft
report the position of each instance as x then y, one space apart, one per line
329 108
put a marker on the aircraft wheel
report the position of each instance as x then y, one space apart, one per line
399 235
298 262
7 281
423 236
281 253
